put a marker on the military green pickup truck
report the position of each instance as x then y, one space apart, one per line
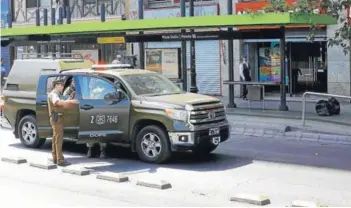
136 108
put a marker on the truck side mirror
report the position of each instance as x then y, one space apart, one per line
117 84
112 98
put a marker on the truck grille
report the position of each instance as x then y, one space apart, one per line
205 113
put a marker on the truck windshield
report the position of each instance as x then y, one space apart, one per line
152 84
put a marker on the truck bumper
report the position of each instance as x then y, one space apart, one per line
189 140
5 123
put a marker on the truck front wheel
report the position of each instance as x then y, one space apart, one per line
152 145
28 132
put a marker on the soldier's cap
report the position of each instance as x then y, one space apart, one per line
57 82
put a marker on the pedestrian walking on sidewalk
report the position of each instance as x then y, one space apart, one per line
56 107
244 68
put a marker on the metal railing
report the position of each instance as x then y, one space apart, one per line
261 84
318 94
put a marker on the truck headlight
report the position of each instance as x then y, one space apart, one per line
180 115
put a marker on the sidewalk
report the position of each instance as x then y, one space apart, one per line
289 129
295 110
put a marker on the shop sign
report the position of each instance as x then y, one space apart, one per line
206 10
111 40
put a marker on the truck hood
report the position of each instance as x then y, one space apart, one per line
182 99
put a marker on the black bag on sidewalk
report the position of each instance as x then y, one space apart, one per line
334 106
322 108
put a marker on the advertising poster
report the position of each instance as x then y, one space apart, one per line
153 60
4 11
269 63
164 61
91 55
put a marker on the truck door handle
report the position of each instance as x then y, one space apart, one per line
43 103
86 107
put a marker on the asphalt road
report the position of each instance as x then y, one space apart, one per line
280 169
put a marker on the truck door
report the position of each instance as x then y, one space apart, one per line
102 118
71 116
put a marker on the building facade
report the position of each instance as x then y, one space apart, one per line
322 68
5 52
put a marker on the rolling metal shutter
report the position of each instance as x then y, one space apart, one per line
208 73
5 54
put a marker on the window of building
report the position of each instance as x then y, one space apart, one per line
32 3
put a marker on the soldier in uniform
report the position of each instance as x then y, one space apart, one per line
70 91
56 106
102 150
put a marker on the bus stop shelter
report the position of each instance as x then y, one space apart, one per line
117 30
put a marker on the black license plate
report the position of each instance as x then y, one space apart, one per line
213 131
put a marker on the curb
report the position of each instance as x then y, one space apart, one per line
289 133
15 160
251 199
258 130
268 115
300 136
76 171
44 165
113 177
159 184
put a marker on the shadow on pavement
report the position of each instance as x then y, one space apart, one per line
122 160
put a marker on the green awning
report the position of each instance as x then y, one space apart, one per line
268 19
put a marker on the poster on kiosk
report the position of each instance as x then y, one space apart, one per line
164 61
269 64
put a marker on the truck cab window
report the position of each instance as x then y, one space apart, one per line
50 80
94 88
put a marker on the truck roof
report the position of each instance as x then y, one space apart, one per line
115 72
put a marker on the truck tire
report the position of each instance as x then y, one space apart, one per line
28 132
152 145
204 149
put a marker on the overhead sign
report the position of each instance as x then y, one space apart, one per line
190 36
109 40
210 35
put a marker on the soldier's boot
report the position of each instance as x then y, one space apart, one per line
90 152
103 153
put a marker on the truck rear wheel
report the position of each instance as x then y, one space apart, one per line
28 132
152 145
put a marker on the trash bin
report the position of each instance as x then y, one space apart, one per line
254 93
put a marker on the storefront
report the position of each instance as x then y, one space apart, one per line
305 61
5 51
208 61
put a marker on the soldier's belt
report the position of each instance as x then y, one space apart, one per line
59 114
